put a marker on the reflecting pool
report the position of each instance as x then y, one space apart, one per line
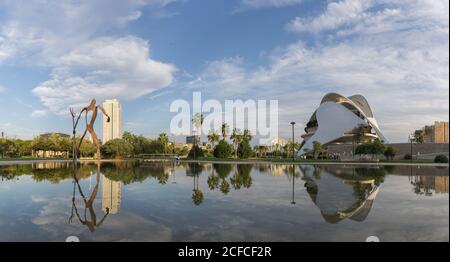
165 201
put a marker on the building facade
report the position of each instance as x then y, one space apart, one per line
191 140
437 133
113 128
341 120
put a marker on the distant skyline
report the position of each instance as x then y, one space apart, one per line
148 53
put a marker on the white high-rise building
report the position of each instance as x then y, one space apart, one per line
113 129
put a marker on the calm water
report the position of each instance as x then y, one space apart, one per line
222 202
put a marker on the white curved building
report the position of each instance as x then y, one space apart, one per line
338 118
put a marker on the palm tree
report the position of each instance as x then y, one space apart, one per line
164 140
236 137
224 130
247 135
213 138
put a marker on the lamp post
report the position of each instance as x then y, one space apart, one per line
411 139
293 141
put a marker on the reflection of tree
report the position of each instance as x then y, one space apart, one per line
88 203
54 173
195 170
262 168
213 180
242 177
131 172
223 170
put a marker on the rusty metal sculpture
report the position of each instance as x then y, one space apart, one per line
92 107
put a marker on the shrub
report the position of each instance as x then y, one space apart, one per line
196 152
441 159
407 157
222 150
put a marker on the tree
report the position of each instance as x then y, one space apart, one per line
317 149
224 131
164 140
236 137
222 150
139 143
390 152
24 147
87 148
154 147
213 138
244 149
196 152
247 135
358 133
378 147
291 147
197 120
117 148
182 151
8 147
373 148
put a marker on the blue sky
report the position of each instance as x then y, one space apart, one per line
148 53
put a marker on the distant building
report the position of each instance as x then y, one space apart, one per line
437 133
111 195
193 140
113 129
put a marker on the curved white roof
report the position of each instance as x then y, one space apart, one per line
335 116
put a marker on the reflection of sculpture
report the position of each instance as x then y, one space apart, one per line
88 205
341 194
92 107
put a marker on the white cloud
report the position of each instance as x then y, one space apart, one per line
103 68
374 16
402 67
69 37
39 113
2 88
337 14
41 31
259 4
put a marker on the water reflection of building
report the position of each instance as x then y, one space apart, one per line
340 194
428 185
111 195
50 165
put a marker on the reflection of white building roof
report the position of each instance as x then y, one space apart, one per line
336 197
336 117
